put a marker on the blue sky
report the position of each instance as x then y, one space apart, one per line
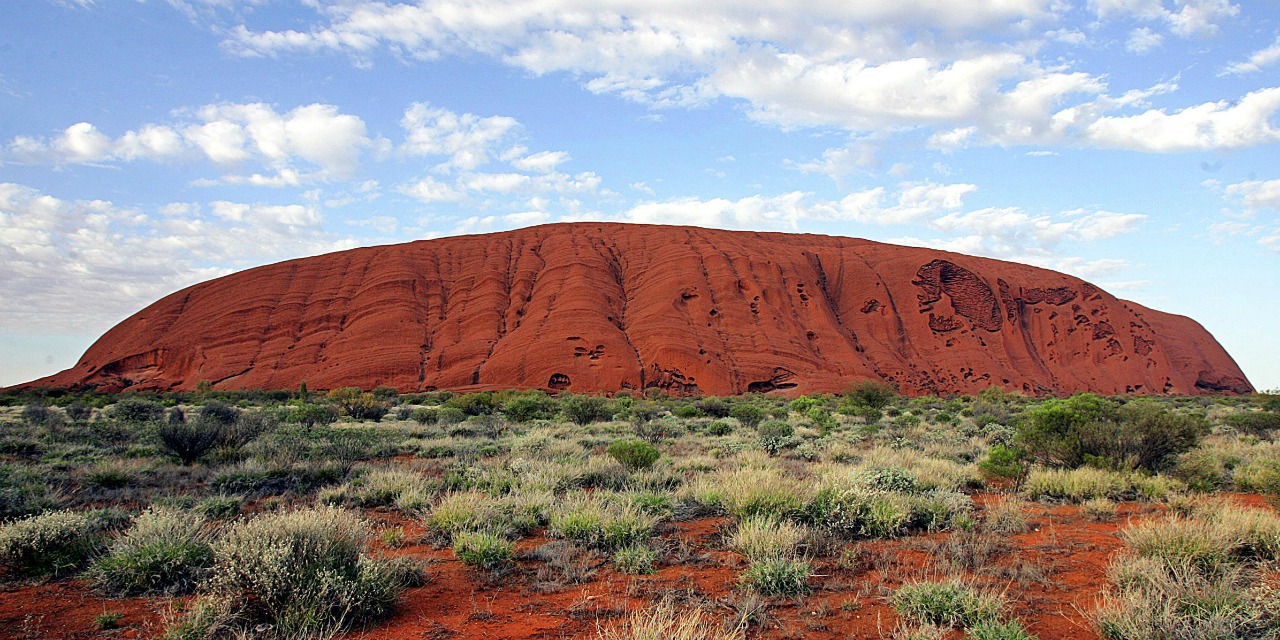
146 146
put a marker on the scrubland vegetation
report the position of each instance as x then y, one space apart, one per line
306 514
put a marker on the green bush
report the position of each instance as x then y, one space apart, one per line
775 435
52 543
295 574
584 410
635 559
634 454
189 441
1085 428
1003 462
528 407
309 415
137 411
1256 423
952 603
482 549
995 630
166 551
473 404
778 577
713 407
719 428
873 394
750 415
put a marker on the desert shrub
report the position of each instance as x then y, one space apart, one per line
218 412
1194 577
38 413
750 491
996 630
1085 428
111 475
457 512
1259 476
473 404
188 441
750 415
1003 462
294 574
763 537
890 479
166 551
657 430
137 411
951 602
309 415
219 507
528 407
78 411
23 491
635 559
873 394
719 428
1078 485
1005 515
592 521
634 454
1099 509
686 411
714 407
482 549
386 487
778 576
425 415
584 410
775 435
663 622
450 415
52 543
1256 423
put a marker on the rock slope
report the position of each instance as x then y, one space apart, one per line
590 307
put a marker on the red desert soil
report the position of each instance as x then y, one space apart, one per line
1053 575
590 307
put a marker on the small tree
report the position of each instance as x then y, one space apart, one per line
584 410
634 454
874 394
750 415
310 415
189 441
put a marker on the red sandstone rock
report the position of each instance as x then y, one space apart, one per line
601 307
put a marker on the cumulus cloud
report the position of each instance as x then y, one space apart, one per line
228 135
1143 41
1192 17
465 139
1213 125
1256 194
1257 61
1008 233
871 66
73 265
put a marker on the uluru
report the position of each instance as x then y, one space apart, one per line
604 307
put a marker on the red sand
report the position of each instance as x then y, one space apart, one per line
593 307
848 601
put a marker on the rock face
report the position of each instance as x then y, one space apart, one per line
593 307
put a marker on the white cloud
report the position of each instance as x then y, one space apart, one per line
1143 41
870 66
1257 61
1213 125
1192 18
1256 194
429 189
466 139
81 265
541 162
229 135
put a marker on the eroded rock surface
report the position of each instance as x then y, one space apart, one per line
593 307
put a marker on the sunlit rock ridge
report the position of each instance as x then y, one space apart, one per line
594 307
